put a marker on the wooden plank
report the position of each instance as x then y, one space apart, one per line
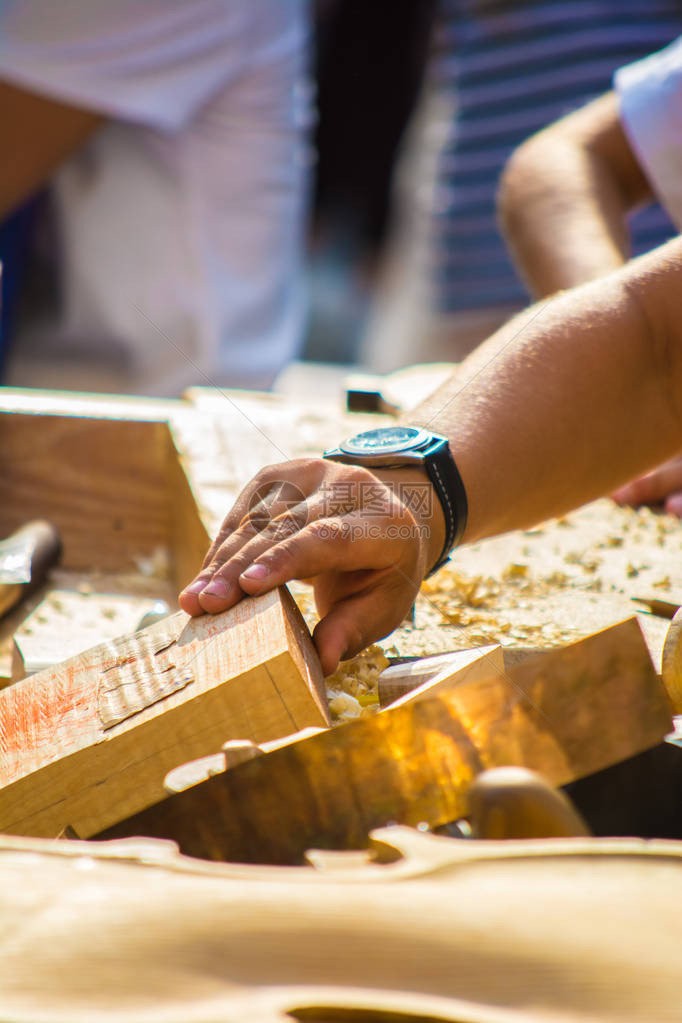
396 392
190 536
107 470
503 932
102 482
672 662
67 622
43 402
413 679
566 714
89 742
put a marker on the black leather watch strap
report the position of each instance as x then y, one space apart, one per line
447 482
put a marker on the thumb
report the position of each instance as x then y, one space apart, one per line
355 622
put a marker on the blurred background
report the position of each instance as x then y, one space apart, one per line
232 194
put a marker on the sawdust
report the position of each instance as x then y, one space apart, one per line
352 690
540 588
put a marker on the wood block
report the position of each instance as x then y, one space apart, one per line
102 483
413 679
88 742
566 714
364 394
67 622
410 674
396 392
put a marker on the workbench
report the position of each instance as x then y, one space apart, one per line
321 928
540 587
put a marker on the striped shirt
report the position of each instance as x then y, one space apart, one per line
514 68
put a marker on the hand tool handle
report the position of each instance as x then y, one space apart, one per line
40 546
514 803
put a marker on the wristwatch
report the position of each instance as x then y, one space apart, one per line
394 447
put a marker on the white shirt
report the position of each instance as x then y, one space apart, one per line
650 96
181 220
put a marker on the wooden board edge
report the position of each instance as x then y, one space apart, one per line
305 656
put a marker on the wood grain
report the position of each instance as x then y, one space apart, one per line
672 662
493 932
190 538
414 679
88 742
68 621
566 714
102 482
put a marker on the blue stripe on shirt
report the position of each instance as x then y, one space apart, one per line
516 68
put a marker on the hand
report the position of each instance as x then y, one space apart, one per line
349 530
661 486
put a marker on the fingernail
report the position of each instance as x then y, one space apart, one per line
673 505
217 588
256 572
195 587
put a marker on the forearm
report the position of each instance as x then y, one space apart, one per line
564 197
38 134
569 400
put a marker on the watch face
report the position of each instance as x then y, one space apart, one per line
386 440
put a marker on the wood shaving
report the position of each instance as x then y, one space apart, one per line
542 587
352 690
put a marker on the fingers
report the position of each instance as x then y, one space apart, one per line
284 528
338 525
217 588
194 601
272 493
654 488
673 504
355 622
280 486
212 590
321 546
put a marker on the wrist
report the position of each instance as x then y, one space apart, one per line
412 485
428 455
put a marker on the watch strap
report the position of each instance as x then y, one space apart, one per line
447 482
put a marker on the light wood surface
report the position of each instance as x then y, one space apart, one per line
541 587
89 742
565 713
68 621
438 930
106 470
414 679
672 662
101 482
